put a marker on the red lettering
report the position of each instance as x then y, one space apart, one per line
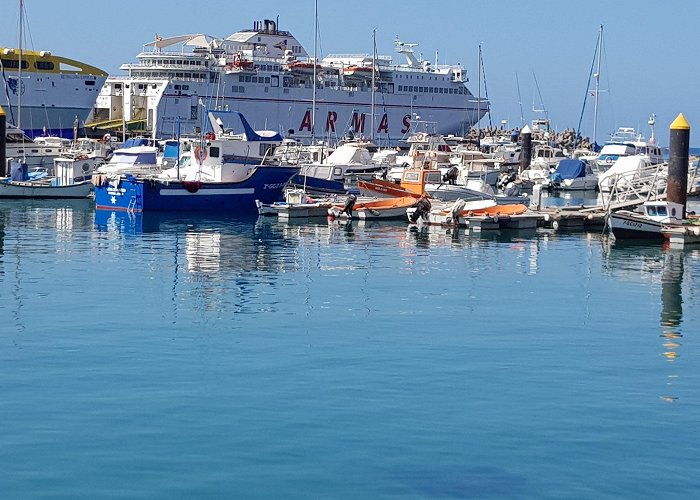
406 124
306 122
358 122
384 124
330 121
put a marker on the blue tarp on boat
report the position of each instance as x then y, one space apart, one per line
570 169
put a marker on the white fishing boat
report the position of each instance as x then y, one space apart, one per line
172 74
646 223
36 154
627 142
72 179
296 205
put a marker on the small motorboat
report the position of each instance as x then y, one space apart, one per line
377 208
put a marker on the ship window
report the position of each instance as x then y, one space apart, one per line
267 79
247 79
184 87
13 63
213 151
255 79
90 83
266 149
275 81
45 65
177 87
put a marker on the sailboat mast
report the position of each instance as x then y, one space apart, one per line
478 101
374 67
313 95
19 69
597 86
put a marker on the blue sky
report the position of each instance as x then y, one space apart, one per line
650 61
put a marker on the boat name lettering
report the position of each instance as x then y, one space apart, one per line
632 224
119 191
274 186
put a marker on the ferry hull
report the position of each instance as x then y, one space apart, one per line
142 195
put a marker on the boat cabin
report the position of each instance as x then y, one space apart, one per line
415 179
665 212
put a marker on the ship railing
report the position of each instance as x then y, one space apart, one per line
360 57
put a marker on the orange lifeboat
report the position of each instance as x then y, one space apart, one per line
356 71
304 67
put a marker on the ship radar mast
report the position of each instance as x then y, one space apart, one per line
407 50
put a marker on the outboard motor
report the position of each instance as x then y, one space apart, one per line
504 179
349 203
451 175
423 207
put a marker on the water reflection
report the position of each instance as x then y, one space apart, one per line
664 266
672 311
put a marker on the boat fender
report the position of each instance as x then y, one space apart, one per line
495 218
192 186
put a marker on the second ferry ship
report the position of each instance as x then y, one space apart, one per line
45 94
266 74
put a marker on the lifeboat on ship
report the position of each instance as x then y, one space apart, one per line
239 63
304 67
359 72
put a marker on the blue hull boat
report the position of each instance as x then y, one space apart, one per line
129 193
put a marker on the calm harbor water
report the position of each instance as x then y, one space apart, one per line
172 356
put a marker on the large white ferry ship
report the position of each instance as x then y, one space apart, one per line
44 94
266 74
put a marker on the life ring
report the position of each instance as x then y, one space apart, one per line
200 154
416 153
106 138
420 136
